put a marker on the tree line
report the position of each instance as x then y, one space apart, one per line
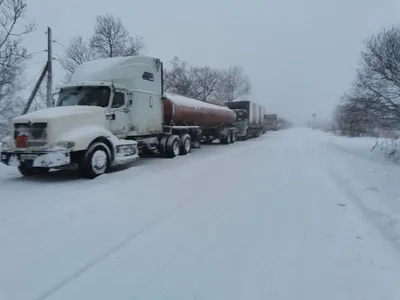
372 103
110 38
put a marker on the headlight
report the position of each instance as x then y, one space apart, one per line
66 144
126 150
6 143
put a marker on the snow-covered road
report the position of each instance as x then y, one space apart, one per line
280 217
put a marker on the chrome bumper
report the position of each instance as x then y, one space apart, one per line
40 159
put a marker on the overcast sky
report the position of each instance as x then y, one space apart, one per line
299 55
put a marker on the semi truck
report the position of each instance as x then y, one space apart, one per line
249 118
271 121
111 112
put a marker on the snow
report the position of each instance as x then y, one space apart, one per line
301 215
122 71
53 159
57 112
101 65
185 101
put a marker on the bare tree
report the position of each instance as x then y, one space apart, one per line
374 98
110 39
206 83
177 80
233 84
77 53
13 56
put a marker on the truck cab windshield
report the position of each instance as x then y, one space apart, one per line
84 95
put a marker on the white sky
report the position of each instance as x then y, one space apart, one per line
300 55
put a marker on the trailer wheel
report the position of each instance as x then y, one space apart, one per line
186 144
246 135
96 160
173 146
233 136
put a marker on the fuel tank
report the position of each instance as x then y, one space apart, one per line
180 110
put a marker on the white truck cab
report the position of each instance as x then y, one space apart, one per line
107 102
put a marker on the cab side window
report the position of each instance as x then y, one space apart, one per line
119 100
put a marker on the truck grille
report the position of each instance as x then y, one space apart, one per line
30 134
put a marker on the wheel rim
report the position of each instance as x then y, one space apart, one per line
175 147
99 161
187 145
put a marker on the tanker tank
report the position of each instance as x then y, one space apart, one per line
180 110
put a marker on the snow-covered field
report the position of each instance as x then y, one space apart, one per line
295 214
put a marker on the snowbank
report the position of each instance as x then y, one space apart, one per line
390 149
372 180
378 149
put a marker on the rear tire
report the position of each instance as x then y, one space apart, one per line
186 144
173 146
226 139
96 161
163 146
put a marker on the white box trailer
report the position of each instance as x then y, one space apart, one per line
250 118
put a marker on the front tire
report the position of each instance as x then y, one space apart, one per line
96 161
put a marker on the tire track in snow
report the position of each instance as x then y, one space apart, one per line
187 239
130 238
109 252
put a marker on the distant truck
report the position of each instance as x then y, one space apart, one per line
249 118
271 121
112 110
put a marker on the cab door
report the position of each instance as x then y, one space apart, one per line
119 114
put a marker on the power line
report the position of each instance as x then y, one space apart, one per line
37 52
58 43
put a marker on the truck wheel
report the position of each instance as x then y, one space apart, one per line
226 139
31 171
96 161
173 146
163 146
233 137
246 135
186 144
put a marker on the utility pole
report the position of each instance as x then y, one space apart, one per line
49 68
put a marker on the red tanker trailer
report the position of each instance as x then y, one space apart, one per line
211 121
181 110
